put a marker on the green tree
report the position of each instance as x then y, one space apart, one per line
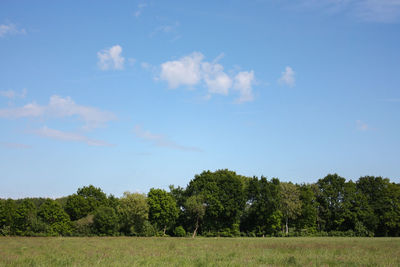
309 208
224 195
262 215
134 211
77 207
105 221
162 208
330 197
85 201
53 214
195 209
24 219
290 204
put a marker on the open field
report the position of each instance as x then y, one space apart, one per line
129 251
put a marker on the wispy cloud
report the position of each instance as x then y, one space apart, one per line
11 145
10 29
68 136
11 94
61 107
111 58
288 77
192 70
139 10
243 83
386 11
160 140
362 126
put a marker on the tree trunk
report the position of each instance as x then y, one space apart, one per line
165 229
195 229
287 228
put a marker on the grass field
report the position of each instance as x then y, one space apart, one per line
127 251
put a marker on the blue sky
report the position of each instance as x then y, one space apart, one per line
129 95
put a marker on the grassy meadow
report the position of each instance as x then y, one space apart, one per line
130 251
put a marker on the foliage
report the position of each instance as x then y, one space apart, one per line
55 217
105 221
162 209
224 198
133 211
179 231
219 203
290 204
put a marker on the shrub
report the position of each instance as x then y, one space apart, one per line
179 231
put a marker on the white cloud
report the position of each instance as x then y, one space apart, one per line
11 94
217 81
160 140
10 29
111 58
191 70
287 77
68 136
61 107
185 71
243 83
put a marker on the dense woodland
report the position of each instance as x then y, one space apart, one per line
219 203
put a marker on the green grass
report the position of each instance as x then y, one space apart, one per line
129 251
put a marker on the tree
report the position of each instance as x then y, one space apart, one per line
262 215
307 218
330 197
162 208
85 201
25 216
77 207
224 197
196 209
53 214
290 203
105 221
134 211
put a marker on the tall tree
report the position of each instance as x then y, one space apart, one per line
330 197
54 215
195 209
223 194
134 211
163 210
290 203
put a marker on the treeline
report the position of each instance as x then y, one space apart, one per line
219 203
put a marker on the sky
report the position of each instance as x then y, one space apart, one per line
130 95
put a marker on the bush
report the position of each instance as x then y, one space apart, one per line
179 231
105 221
148 229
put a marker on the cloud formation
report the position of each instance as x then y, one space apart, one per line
11 94
61 107
287 77
111 58
192 70
160 140
185 71
68 136
243 83
10 29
